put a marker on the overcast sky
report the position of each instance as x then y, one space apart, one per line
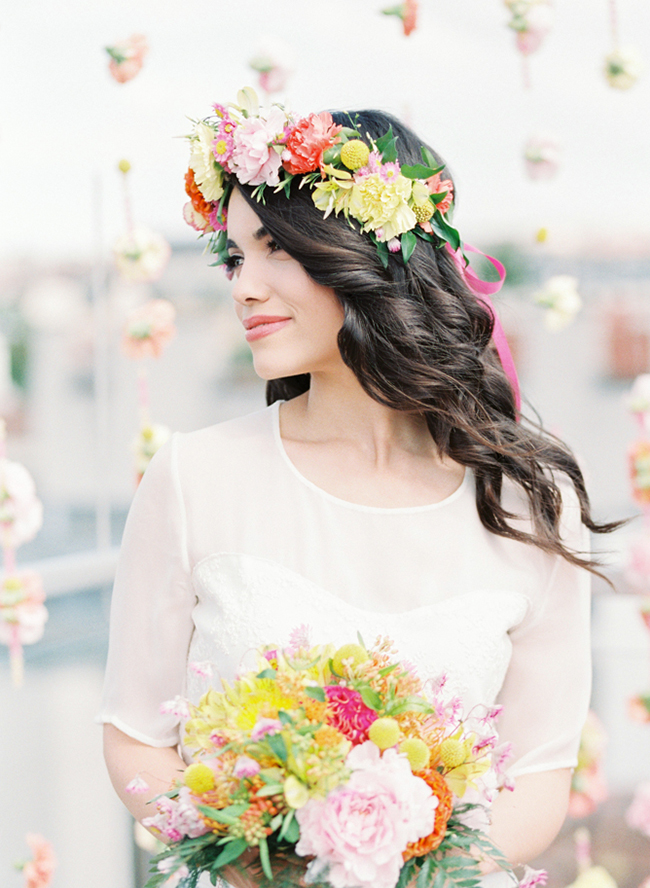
64 123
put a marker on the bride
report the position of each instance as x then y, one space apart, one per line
388 488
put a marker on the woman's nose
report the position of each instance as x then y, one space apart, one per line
249 287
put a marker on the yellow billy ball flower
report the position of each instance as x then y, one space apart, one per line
350 652
423 212
452 752
384 732
355 154
124 166
416 751
199 778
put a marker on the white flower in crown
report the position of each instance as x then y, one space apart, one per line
560 296
623 67
208 175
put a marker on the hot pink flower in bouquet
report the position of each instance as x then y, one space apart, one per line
338 768
127 58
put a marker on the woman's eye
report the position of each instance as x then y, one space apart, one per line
273 246
231 264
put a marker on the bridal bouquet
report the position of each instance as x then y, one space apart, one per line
338 767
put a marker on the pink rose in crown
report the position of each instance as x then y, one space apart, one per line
307 142
359 831
254 158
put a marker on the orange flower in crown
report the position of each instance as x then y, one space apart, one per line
308 140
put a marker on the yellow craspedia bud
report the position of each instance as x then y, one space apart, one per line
416 751
384 732
199 778
124 166
452 753
351 652
355 154
423 212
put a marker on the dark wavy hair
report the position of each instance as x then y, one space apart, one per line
418 340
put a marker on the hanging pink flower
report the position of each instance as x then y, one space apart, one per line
127 58
348 713
141 255
542 156
274 63
38 871
149 329
637 815
407 12
21 512
308 140
638 709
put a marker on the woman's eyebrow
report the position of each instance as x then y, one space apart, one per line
258 235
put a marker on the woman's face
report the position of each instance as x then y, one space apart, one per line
291 322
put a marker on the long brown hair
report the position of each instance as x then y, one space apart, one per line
419 340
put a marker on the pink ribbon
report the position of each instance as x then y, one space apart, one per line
485 289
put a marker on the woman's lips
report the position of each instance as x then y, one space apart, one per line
261 325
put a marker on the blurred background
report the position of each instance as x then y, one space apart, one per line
551 163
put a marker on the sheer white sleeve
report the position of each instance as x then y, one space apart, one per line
151 609
547 687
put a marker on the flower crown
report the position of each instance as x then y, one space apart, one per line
267 148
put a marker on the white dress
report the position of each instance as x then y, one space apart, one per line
227 546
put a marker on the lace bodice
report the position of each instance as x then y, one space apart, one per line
228 547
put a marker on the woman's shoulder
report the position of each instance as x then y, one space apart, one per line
251 431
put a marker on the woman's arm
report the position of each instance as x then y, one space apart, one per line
526 820
126 758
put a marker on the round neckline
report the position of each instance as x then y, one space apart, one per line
382 510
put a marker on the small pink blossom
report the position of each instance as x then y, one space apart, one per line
176 818
389 171
177 707
264 726
637 815
533 877
203 669
245 766
359 831
219 218
137 786
299 636
38 871
394 245
373 165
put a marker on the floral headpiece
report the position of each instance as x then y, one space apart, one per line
267 148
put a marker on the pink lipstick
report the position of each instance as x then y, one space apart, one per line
259 326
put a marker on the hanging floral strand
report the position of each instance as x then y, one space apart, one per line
38 871
531 20
147 332
22 612
141 255
623 65
637 572
274 64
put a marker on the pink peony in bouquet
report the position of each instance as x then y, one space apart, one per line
337 766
